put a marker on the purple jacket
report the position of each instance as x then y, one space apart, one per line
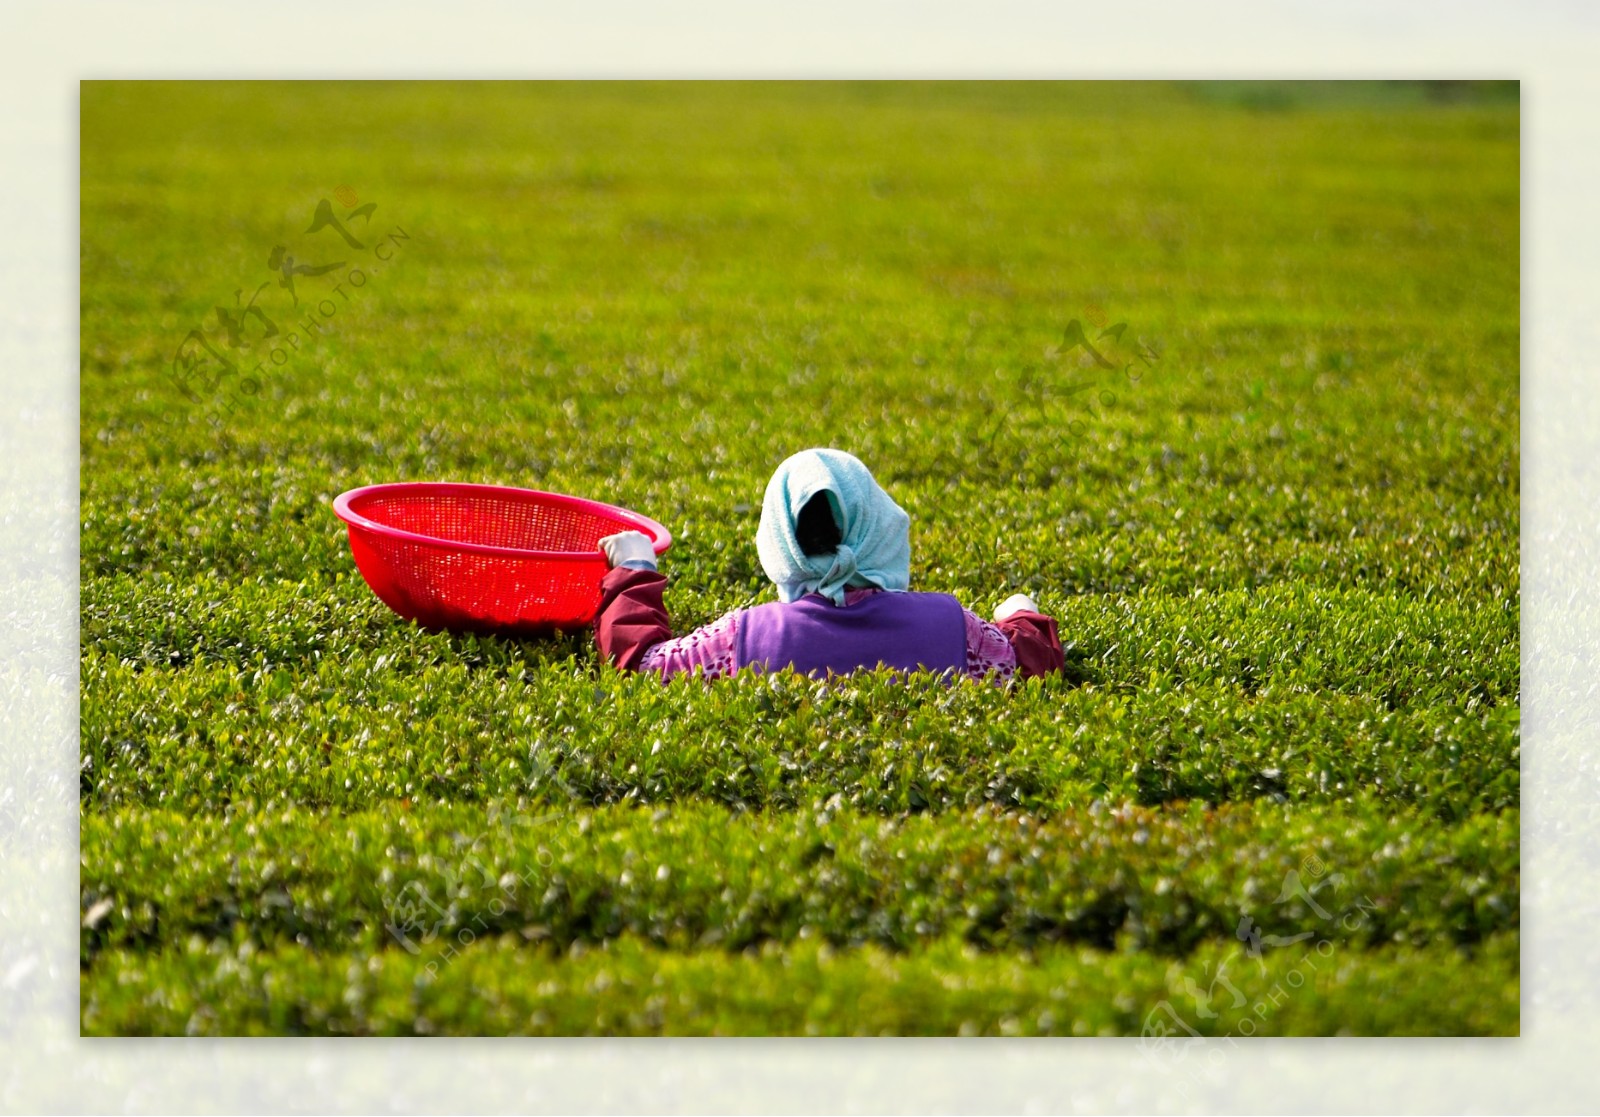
906 631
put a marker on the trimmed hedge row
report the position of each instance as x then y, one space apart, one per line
1158 880
350 731
503 986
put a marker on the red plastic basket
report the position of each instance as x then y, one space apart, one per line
485 558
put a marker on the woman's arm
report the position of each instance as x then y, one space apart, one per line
709 650
1032 635
633 631
633 618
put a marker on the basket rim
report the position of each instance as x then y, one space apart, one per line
354 519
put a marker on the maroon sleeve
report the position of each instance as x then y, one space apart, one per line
1033 637
632 617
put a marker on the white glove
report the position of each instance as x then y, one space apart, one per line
629 548
1016 603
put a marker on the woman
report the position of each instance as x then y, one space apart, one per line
838 549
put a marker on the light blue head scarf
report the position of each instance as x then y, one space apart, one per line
876 548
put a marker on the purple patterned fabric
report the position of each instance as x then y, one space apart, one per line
905 631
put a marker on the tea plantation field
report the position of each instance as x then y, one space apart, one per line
1225 376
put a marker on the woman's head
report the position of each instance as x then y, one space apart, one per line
826 525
